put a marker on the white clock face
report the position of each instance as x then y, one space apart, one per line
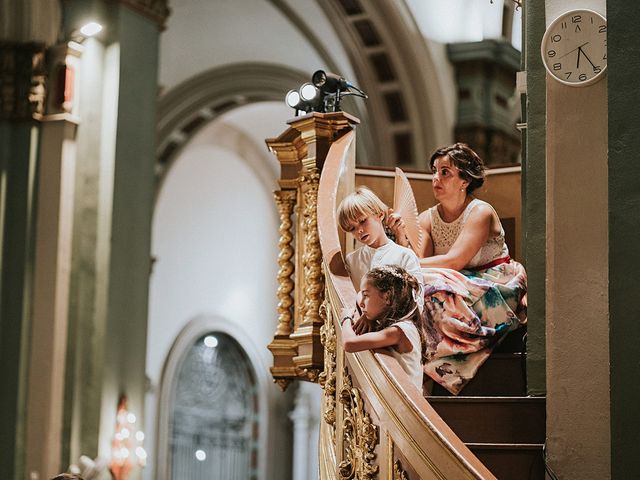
574 47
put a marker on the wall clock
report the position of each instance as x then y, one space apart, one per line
574 47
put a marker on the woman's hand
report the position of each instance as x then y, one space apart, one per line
398 227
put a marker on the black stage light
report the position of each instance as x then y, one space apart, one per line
323 94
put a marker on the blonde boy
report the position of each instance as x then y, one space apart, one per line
362 214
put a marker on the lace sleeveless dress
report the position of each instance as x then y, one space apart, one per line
445 234
468 313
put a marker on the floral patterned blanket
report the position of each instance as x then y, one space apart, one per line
467 314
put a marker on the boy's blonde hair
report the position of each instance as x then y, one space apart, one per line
358 205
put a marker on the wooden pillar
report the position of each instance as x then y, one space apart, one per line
301 151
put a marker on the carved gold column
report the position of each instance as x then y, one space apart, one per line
282 347
309 360
301 151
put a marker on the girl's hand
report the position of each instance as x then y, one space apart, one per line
362 325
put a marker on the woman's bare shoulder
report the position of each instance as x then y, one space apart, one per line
482 211
424 219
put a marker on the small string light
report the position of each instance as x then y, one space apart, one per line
126 447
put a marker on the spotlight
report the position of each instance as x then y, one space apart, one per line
292 98
305 99
90 29
329 82
309 92
323 94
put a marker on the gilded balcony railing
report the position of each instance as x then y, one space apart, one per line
375 423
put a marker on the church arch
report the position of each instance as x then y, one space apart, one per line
227 364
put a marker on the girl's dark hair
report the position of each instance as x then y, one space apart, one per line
468 163
401 288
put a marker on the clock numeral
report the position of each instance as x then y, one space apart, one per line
568 74
563 24
557 66
597 69
604 57
551 53
556 38
576 19
602 29
582 77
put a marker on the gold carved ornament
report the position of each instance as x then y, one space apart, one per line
398 472
328 376
312 257
360 435
285 200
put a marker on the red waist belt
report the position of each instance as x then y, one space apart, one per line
493 263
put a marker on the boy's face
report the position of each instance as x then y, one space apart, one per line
369 230
372 302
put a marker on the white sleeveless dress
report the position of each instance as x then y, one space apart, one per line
445 234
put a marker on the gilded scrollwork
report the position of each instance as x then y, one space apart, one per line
285 201
309 374
359 433
328 376
283 383
312 257
398 472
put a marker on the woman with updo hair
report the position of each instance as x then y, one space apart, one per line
474 292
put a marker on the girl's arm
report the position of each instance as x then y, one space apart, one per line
473 235
357 343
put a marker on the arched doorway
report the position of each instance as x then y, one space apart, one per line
213 417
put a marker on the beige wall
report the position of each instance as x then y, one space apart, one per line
577 331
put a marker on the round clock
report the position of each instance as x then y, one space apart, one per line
574 47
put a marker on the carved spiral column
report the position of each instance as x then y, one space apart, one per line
283 347
285 200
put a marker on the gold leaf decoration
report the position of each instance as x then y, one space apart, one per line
359 433
328 376
398 472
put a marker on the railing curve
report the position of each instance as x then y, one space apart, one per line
376 424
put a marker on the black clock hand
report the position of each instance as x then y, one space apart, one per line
571 51
585 56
